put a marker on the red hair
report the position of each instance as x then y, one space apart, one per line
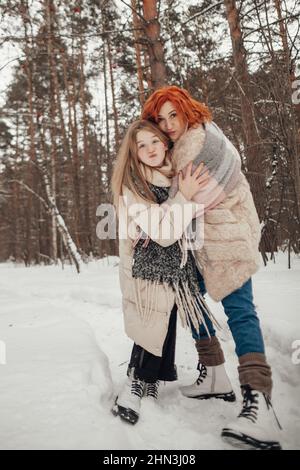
192 110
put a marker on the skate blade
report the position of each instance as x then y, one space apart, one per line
242 441
126 414
221 396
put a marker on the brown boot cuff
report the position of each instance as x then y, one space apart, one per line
210 351
256 372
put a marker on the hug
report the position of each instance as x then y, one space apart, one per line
175 155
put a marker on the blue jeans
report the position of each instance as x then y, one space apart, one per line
242 320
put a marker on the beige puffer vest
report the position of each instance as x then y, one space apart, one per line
150 335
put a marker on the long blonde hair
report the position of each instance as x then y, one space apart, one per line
128 168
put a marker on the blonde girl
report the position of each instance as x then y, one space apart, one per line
155 284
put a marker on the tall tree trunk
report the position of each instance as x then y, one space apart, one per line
155 46
49 8
86 156
28 251
295 108
137 47
74 163
16 211
255 173
109 163
113 94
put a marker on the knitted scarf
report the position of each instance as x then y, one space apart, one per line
208 144
160 265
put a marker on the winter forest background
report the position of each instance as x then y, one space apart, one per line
75 73
73 76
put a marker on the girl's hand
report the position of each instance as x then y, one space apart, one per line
190 184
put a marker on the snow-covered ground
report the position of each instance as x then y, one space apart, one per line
63 357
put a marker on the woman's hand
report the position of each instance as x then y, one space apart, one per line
190 184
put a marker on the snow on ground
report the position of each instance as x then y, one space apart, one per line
67 355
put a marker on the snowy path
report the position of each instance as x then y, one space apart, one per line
66 357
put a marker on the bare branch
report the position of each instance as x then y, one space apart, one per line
67 36
135 11
202 12
24 185
271 24
12 60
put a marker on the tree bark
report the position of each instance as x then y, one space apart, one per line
86 156
74 152
28 251
49 8
137 47
113 94
255 172
290 73
155 45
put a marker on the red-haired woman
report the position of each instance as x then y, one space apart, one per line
227 259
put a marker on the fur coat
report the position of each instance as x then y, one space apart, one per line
229 255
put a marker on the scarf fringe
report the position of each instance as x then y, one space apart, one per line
183 247
185 244
191 309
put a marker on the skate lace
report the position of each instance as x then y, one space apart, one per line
269 405
152 389
250 404
137 387
203 373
